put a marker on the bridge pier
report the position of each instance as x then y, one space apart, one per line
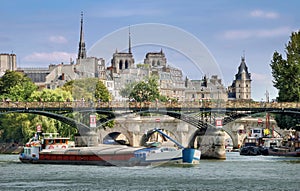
183 133
135 135
212 143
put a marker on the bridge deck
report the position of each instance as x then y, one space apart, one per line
149 105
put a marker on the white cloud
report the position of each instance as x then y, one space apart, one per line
264 14
49 57
58 39
257 33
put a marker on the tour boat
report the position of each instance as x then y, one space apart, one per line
58 150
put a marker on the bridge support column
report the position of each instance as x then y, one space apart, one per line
212 144
135 137
182 132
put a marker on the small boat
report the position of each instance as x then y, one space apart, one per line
253 144
280 151
276 147
59 150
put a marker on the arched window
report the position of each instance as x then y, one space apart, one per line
120 64
153 63
126 64
158 63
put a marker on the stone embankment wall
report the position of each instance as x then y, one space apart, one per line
10 148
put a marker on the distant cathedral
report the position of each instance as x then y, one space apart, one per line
241 86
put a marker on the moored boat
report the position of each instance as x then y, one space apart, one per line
253 144
58 150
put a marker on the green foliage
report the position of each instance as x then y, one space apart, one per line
286 74
49 95
146 90
101 92
146 66
291 121
16 86
88 88
125 92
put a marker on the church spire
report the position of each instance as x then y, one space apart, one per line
81 50
129 43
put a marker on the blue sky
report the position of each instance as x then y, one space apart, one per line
47 32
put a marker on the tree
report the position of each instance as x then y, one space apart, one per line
286 74
88 88
146 90
56 95
125 92
15 86
101 92
20 127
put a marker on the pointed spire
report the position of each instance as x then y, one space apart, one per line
243 57
81 50
129 43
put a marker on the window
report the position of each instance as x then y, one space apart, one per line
120 64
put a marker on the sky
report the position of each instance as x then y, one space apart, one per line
47 32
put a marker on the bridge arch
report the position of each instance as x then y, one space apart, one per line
152 136
116 138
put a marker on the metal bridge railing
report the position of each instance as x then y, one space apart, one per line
151 105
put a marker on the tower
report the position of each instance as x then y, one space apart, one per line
81 50
123 60
156 59
241 86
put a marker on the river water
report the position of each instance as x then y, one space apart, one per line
235 173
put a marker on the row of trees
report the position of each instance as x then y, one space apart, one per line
19 127
286 74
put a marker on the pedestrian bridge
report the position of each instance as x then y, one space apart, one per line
200 114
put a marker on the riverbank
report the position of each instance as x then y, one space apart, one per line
10 148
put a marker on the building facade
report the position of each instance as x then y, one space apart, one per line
241 85
7 62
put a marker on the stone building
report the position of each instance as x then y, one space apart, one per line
7 62
241 85
205 89
155 59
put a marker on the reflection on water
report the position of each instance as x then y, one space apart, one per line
235 173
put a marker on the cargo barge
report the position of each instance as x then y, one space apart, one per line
58 150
